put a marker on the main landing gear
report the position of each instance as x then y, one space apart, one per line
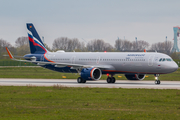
111 79
81 80
157 81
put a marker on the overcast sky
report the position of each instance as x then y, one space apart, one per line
149 20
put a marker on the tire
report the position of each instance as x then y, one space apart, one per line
79 80
83 81
109 80
113 80
157 82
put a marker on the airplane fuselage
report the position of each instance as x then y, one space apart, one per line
114 62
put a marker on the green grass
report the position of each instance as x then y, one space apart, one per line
31 102
39 72
9 62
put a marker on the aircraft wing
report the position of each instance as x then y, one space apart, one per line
73 66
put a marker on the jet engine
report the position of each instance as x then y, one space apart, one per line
135 76
91 73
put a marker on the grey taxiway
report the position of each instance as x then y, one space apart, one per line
91 84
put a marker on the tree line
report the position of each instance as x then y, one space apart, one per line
21 46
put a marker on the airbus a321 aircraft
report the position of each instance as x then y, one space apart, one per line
91 65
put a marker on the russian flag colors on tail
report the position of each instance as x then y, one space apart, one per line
36 45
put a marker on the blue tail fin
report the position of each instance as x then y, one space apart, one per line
35 43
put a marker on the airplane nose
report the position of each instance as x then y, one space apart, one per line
174 67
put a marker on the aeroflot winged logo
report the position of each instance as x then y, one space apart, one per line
136 55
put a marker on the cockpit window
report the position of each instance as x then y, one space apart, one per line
168 59
165 59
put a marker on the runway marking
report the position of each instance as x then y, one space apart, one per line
91 84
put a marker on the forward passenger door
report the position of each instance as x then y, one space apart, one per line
150 60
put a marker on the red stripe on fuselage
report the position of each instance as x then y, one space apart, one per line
48 59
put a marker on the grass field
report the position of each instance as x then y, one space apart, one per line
39 72
9 62
57 102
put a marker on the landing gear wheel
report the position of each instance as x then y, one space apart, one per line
157 82
113 80
79 80
109 80
84 81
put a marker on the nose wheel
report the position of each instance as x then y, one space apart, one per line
157 81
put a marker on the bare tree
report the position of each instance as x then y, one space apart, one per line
98 45
3 45
108 47
168 47
22 46
60 43
123 45
140 45
127 45
119 44
163 47
67 44
21 41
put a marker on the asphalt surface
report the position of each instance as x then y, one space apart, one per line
91 84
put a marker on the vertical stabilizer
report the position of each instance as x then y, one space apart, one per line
35 42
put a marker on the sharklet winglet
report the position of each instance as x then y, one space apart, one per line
10 55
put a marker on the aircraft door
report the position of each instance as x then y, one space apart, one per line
73 59
150 60
98 60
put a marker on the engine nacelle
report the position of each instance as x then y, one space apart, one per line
91 73
135 76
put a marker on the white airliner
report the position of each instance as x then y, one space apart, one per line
91 65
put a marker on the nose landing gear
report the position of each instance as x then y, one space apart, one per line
157 81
